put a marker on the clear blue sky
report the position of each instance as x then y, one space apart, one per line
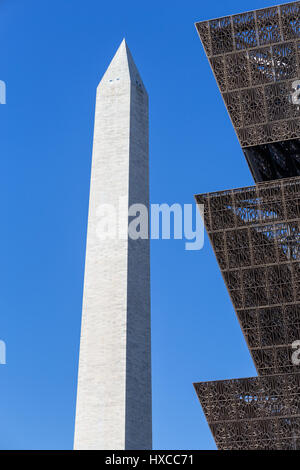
53 54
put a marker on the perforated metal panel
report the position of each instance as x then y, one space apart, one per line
253 413
255 233
255 57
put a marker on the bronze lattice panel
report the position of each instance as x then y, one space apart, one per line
255 233
255 57
253 413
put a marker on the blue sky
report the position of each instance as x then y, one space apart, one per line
53 54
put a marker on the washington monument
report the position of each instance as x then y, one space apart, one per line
113 408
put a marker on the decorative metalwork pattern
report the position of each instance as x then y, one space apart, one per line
253 413
255 233
255 57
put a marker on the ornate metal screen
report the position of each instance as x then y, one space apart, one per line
255 233
255 57
253 413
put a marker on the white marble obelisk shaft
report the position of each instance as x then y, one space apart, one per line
113 408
